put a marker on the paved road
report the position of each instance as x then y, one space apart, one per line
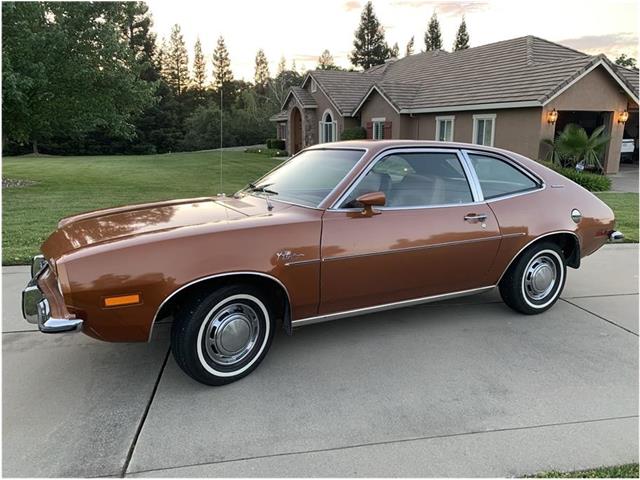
460 388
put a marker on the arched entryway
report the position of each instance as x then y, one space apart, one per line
296 131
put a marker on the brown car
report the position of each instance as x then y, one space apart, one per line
338 230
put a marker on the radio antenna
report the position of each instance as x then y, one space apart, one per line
221 192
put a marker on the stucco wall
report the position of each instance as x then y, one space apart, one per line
324 104
377 107
597 92
515 129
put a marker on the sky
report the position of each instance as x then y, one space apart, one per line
301 29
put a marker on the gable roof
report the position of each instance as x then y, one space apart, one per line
344 89
304 98
525 71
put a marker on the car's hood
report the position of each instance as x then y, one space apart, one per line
115 224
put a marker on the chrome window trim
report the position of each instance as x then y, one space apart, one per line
509 161
393 150
387 306
313 147
210 277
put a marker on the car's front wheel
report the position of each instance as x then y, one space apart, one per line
221 336
535 280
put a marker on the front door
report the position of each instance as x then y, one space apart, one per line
431 237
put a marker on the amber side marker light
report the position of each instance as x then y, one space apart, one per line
121 300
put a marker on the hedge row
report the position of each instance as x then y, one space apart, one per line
593 182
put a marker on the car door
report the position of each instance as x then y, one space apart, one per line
432 237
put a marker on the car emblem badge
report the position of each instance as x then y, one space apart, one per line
288 255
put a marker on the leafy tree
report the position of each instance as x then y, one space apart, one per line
370 47
409 50
395 51
222 74
279 87
625 61
46 95
433 36
199 67
462 37
326 62
176 68
261 76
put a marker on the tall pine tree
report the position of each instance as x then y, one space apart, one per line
135 23
222 74
261 76
370 47
395 51
462 37
176 65
409 50
282 66
433 36
199 68
326 62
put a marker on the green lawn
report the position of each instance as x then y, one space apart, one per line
67 185
625 207
629 470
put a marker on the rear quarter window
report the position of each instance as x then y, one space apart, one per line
498 178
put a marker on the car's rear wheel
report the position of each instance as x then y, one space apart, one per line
219 337
535 280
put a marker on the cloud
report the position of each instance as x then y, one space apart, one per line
351 5
445 8
609 44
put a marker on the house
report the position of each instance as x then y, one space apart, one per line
511 94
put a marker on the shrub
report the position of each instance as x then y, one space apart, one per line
275 144
357 133
593 182
270 152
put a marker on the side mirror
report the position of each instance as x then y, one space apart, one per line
370 200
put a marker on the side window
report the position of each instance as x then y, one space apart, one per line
498 178
415 180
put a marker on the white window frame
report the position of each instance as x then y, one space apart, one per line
333 125
314 86
377 128
484 117
446 118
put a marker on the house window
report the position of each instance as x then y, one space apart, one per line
282 131
314 86
378 128
484 127
444 129
328 128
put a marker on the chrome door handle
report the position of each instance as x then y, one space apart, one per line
475 217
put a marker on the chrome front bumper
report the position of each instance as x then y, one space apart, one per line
36 308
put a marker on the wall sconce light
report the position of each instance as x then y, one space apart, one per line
552 116
623 116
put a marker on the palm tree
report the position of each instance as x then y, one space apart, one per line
573 145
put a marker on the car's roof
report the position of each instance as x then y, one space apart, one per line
374 146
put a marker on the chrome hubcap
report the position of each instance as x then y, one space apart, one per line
540 277
231 334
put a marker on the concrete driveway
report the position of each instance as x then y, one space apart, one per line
460 388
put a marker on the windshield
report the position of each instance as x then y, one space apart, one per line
307 178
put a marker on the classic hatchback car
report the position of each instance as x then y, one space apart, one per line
339 229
